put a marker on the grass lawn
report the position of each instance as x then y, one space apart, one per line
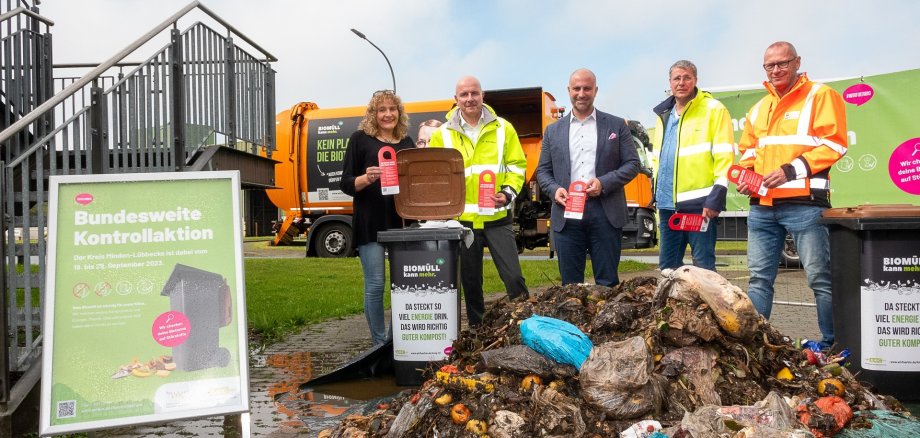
722 247
285 294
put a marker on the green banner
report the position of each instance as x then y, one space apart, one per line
145 310
883 131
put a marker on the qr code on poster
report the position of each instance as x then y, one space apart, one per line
67 409
323 194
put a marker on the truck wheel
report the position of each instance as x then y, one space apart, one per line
333 240
790 254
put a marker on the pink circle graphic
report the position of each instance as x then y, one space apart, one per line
83 198
171 328
904 166
858 94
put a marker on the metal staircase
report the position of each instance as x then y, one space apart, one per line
201 102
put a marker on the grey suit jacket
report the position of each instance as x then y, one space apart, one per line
617 163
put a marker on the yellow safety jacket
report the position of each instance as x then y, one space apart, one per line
705 150
497 149
804 133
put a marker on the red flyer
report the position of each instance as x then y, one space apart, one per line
486 190
688 222
738 175
389 178
575 204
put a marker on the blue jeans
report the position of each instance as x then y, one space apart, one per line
593 235
674 244
374 267
767 227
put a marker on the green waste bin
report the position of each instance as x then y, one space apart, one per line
424 297
875 268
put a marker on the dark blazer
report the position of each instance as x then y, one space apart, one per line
617 163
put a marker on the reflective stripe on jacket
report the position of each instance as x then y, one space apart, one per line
705 150
806 129
497 149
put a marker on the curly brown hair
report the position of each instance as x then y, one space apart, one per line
369 124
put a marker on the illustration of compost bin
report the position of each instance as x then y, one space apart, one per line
204 298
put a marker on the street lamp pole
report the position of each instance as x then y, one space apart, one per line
393 76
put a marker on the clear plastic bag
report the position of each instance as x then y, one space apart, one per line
617 378
731 307
556 414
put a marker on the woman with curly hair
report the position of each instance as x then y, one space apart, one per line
385 124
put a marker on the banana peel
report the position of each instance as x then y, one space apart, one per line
142 371
470 384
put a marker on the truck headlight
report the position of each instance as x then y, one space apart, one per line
648 224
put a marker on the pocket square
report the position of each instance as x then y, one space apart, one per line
613 135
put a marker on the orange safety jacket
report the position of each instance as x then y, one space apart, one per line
804 133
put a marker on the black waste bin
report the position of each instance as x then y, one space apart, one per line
425 303
204 298
875 265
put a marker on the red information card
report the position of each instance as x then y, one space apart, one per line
486 191
389 179
738 175
688 222
575 204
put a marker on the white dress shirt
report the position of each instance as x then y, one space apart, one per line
583 147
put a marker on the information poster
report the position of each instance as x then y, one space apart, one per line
890 305
327 142
425 304
145 317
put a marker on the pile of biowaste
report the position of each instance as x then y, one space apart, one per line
681 355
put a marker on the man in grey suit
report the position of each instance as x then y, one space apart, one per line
596 148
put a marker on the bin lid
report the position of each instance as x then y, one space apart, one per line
432 183
882 216
419 234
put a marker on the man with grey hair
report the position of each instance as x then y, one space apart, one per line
692 151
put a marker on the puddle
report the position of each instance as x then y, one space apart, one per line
311 410
278 406
326 406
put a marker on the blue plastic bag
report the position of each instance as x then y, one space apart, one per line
556 339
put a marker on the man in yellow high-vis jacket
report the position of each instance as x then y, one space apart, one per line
694 148
487 143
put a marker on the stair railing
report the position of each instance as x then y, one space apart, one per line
200 87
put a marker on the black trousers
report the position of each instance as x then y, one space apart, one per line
500 241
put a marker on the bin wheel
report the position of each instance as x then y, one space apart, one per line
334 240
790 255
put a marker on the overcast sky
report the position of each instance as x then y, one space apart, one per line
516 43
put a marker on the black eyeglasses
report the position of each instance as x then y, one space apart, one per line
379 92
782 65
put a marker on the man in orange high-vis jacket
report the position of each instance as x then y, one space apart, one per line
792 137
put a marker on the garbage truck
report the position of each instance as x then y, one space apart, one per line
311 145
